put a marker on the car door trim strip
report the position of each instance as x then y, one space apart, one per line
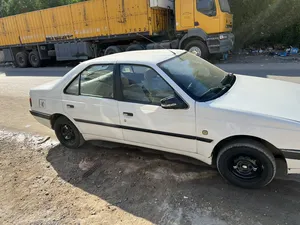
146 130
291 153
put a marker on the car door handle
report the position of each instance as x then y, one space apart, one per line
128 114
70 106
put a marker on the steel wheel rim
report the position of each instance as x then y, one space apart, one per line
246 167
34 58
196 50
67 134
21 60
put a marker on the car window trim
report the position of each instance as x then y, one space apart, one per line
120 89
79 75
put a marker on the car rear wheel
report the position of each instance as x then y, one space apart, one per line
247 164
67 133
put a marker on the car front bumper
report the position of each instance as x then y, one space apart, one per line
293 160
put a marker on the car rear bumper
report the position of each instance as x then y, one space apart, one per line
42 118
293 160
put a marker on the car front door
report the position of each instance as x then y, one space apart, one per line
144 121
90 101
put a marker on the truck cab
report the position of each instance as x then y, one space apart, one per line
205 26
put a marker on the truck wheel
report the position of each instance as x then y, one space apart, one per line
112 50
67 133
198 47
34 59
135 47
22 59
247 164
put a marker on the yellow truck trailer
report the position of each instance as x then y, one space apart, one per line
100 27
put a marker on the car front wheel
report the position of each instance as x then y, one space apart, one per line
247 164
67 133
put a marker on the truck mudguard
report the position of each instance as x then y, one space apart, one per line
194 32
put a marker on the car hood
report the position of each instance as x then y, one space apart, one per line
262 96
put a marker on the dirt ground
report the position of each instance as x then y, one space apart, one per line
42 182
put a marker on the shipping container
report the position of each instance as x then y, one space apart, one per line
85 20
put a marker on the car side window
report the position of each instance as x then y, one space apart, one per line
73 88
96 81
144 85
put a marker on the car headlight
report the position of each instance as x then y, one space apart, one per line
223 36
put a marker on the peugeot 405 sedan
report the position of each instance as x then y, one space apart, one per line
176 102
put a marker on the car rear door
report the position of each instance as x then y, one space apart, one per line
90 101
144 121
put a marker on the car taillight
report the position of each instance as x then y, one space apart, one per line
30 101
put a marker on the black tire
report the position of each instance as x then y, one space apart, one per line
197 44
135 47
34 59
22 59
67 133
247 164
112 50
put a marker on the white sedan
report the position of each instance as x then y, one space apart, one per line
176 102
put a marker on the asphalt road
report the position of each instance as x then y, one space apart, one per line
255 69
217 202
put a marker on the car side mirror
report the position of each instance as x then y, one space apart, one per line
173 102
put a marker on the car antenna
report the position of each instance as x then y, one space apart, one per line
155 43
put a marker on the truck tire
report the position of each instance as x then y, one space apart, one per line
67 133
22 59
34 59
247 164
199 47
135 47
112 50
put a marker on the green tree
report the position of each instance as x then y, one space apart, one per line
266 22
13 7
53 3
3 8
21 6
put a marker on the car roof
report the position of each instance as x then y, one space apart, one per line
138 57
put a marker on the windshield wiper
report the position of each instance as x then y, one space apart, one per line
227 79
218 91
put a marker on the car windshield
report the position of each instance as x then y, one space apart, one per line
225 7
195 76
